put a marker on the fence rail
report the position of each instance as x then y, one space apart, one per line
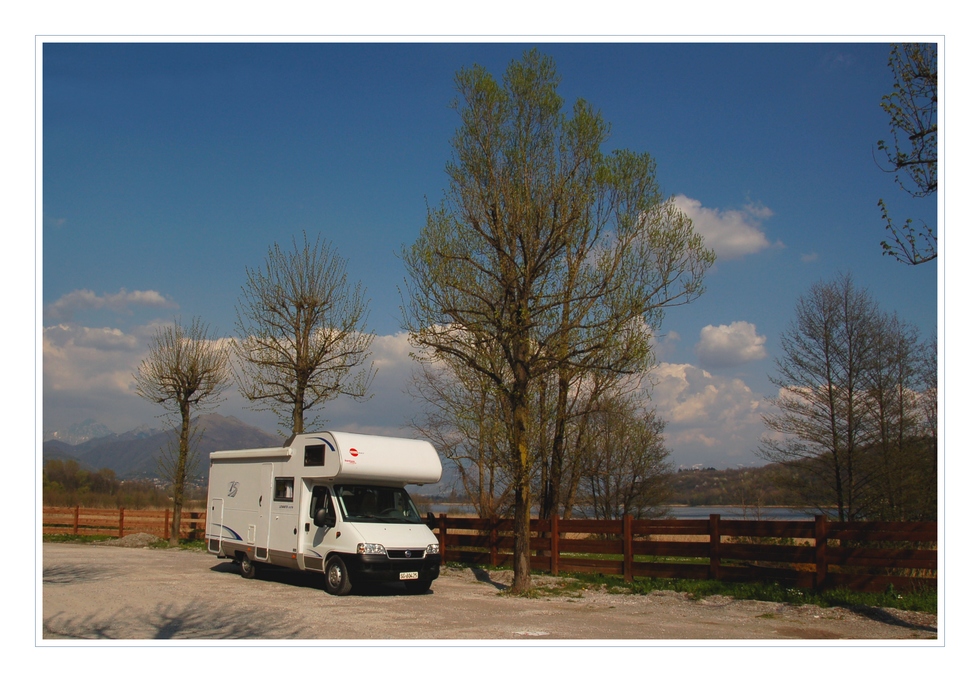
120 522
818 554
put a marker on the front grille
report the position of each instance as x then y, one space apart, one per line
406 553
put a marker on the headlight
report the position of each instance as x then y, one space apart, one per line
432 549
370 548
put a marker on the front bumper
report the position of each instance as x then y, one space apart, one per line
380 568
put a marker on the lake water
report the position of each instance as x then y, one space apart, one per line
737 513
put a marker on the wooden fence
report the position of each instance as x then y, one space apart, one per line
120 522
818 554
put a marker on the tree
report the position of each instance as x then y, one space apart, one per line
461 417
899 398
302 335
855 408
629 472
912 157
545 253
822 419
185 371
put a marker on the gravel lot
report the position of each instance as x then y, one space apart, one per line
118 592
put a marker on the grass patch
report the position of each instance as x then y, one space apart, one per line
574 584
921 600
193 545
76 539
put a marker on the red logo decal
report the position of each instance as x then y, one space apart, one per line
353 452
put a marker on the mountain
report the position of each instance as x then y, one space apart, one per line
134 454
79 433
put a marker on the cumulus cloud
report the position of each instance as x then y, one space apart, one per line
85 361
728 345
709 419
121 302
88 373
731 233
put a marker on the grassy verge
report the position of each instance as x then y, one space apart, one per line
76 539
197 545
575 584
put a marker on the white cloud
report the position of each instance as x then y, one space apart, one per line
87 373
728 345
84 359
121 302
710 419
731 233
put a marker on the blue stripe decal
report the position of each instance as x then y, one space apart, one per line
329 444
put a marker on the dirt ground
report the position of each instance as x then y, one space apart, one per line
133 593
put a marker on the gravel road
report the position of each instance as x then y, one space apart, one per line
110 592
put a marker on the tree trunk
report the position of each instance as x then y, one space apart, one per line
180 472
522 485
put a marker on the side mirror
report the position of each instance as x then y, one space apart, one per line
430 520
320 518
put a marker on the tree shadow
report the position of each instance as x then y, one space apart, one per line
484 577
880 615
67 574
168 621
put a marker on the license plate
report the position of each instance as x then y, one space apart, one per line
412 575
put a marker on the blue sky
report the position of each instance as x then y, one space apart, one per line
170 168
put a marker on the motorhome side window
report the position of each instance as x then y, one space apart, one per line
284 490
315 455
321 500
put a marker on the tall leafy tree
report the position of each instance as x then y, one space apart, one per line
545 253
185 372
912 156
302 337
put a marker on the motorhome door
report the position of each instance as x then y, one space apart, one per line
265 510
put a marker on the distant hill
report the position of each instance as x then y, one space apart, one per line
134 454
750 486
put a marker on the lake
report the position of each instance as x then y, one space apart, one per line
748 513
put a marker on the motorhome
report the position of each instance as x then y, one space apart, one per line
332 503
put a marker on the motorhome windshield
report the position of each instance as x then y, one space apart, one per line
376 504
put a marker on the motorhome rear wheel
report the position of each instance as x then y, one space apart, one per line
247 568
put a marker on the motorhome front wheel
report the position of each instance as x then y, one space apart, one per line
337 578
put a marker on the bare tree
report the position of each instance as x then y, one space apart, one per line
912 156
900 401
462 418
822 418
546 253
629 471
185 371
302 335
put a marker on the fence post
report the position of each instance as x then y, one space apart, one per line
820 551
166 523
122 515
554 544
628 548
74 530
493 539
714 564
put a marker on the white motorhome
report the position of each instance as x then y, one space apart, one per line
333 503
